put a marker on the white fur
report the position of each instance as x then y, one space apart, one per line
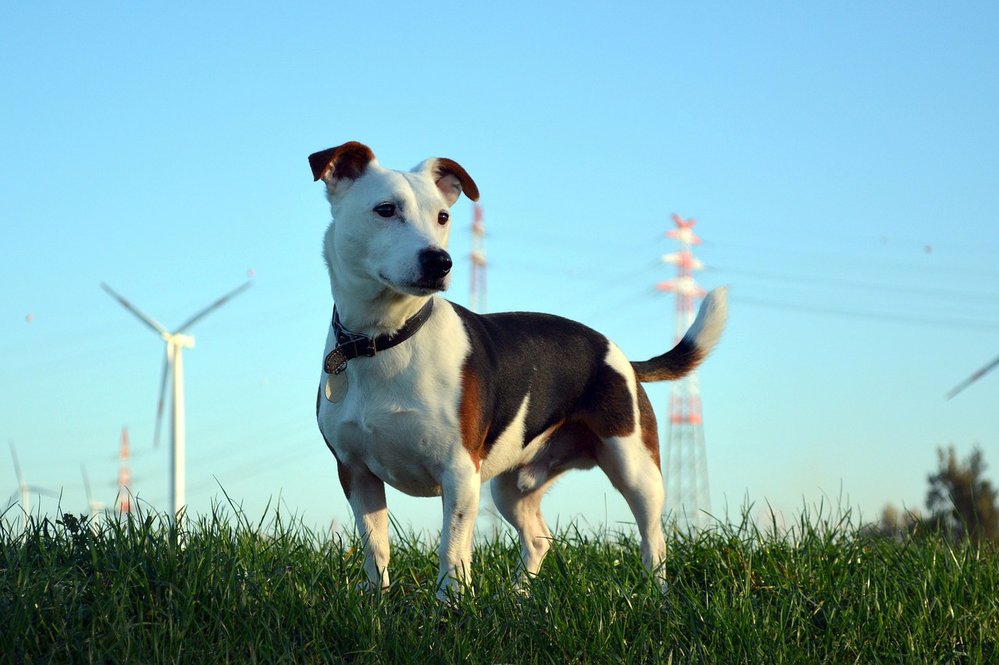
508 450
398 421
373 260
707 328
625 460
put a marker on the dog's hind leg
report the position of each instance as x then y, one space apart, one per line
523 510
629 455
366 494
634 473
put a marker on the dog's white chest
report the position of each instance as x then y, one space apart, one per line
398 416
394 444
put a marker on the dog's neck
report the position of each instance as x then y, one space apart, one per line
371 308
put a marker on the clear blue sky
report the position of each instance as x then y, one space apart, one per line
842 161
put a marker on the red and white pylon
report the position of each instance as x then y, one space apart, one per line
477 298
124 504
477 303
685 468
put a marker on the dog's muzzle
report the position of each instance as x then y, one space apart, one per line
435 264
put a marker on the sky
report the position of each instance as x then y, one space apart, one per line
841 161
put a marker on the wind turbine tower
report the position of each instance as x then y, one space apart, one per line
24 490
173 372
96 507
686 468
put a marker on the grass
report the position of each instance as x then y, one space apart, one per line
226 590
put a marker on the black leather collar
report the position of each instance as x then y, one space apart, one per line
350 345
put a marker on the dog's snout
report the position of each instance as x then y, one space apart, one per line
435 263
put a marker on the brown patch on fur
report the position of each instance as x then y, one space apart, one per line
444 166
674 364
470 416
345 161
647 421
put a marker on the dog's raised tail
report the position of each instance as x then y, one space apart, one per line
695 345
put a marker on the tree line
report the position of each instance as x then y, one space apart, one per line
961 503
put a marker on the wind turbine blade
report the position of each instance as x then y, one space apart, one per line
148 320
17 466
974 377
86 486
43 492
163 389
215 305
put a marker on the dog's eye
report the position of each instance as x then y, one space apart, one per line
385 209
442 218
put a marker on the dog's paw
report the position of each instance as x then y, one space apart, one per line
448 601
451 591
520 585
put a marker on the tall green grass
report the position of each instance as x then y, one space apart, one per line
227 590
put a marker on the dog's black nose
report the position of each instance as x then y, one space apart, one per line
435 263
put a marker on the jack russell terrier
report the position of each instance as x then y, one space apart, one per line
420 393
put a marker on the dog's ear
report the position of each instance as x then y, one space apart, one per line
452 179
344 162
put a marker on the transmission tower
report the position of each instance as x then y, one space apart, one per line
477 299
685 465
124 504
477 303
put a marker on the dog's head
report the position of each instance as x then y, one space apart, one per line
389 227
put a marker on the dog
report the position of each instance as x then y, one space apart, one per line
433 399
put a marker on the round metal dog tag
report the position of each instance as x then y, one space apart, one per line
336 387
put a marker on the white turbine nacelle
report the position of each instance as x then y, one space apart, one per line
179 340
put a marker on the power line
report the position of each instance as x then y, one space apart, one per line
253 468
867 286
802 252
875 316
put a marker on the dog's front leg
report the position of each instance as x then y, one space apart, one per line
460 494
366 494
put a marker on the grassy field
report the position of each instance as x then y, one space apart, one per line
226 590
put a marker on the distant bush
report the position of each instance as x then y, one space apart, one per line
963 504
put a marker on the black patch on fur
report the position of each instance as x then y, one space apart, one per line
672 365
559 361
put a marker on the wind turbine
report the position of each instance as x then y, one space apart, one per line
24 490
173 371
95 507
